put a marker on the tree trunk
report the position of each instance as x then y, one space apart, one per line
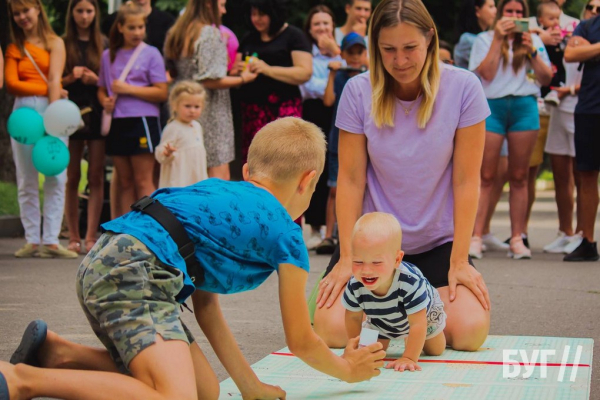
7 166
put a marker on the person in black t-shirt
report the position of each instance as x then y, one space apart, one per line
281 55
157 24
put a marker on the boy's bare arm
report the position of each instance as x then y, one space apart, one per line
210 318
329 95
354 366
417 323
353 323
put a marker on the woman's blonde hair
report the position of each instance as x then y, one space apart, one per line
116 39
44 30
184 87
390 13
520 51
182 37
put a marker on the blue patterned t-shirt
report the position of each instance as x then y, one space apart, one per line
241 232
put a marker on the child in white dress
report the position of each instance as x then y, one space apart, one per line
181 151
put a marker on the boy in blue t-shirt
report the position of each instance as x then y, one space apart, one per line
132 282
396 297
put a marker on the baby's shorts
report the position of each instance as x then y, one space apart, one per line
128 296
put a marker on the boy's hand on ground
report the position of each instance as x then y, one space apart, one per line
403 364
264 392
364 362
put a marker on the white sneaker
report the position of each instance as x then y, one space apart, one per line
558 245
475 249
552 98
574 242
492 243
314 240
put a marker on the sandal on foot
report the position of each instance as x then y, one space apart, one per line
327 246
4 395
75 246
33 338
89 244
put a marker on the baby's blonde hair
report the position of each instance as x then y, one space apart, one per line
285 148
379 225
184 87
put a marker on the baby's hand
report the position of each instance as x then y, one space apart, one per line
169 150
403 364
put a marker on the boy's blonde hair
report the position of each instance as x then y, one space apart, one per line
285 148
380 225
391 13
184 87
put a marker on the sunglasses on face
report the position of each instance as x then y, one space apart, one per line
592 8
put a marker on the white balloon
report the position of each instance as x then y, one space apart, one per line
62 118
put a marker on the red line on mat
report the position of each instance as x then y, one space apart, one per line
470 362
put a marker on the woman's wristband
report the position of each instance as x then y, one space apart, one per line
572 89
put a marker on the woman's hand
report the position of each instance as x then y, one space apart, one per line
332 285
327 45
463 273
526 40
109 104
248 76
78 72
504 27
119 87
258 66
89 77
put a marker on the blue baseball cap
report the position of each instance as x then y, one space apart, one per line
351 39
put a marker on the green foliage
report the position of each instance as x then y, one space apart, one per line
444 12
8 199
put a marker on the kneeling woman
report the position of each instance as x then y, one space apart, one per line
423 122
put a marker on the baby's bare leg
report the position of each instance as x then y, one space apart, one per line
436 345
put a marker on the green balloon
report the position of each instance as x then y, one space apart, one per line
50 156
25 125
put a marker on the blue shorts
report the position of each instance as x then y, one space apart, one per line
333 169
513 114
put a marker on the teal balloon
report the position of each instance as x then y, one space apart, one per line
25 125
50 156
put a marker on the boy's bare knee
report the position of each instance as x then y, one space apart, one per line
334 335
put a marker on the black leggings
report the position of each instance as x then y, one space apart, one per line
434 263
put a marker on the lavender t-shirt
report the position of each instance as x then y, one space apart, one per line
409 172
148 69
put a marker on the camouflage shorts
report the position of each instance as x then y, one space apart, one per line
128 296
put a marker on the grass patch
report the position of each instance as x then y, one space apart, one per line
8 199
9 204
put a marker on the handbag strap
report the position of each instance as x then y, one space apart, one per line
131 60
35 65
130 63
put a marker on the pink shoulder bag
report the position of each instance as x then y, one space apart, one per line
107 116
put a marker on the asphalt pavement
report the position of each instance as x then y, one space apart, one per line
540 297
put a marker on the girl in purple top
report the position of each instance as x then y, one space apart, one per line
135 128
411 144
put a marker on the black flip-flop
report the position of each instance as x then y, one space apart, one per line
33 338
3 388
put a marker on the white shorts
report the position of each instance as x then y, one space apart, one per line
561 133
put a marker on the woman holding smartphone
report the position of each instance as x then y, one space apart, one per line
509 61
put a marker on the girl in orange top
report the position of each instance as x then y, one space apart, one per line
32 33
